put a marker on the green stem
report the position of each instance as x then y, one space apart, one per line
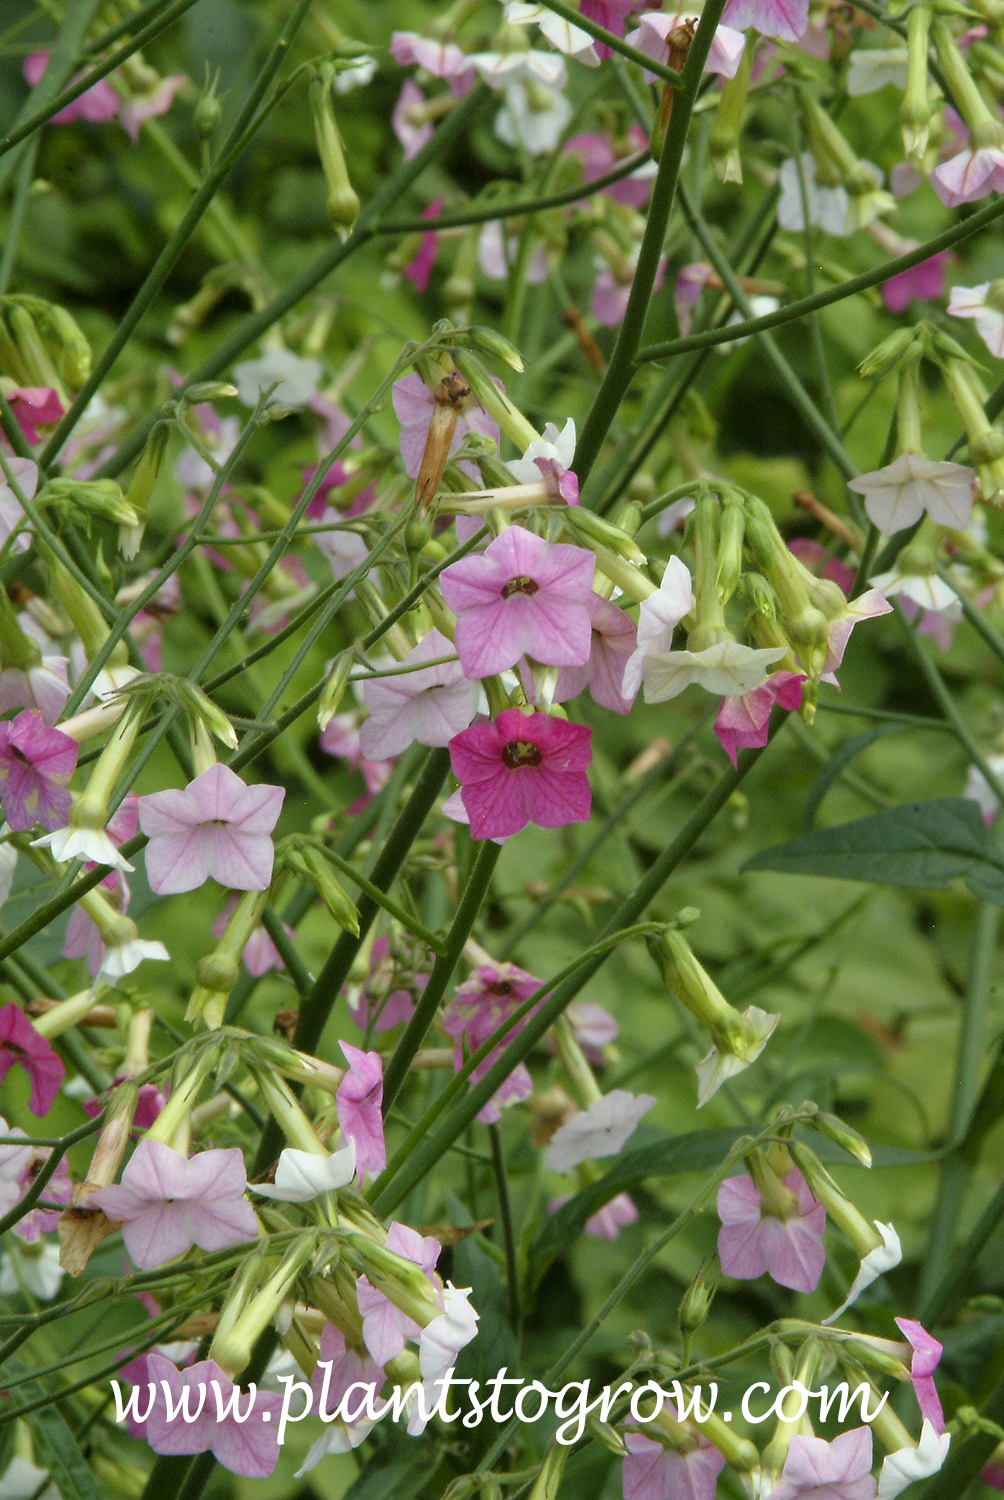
15 224
946 1293
508 1228
414 926
620 370
617 43
46 1171
966 1459
442 972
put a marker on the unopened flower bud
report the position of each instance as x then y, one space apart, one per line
723 142
549 1478
312 863
488 341
218 972
915 112
696 1302
232 1351
343 202
885 357
835 1128
590 528
35 357
334 688
495 401
209 109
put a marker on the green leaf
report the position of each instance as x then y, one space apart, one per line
920 844
56 1448
838 762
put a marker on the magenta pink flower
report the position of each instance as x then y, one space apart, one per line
149 1103
479 1007
36 764
167 1202
598 157
614 639
429 706
817 1470
236 1432
414 405
971 175
20 1043
358 1101
419 269
100 103
35 406
923 283
812 553
520 769
743 723
612 14
216 827
784 20
751 1241
521 596
653 1472
926 1355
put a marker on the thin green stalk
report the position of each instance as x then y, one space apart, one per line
854 284
46 1171
62 62
616 43
15 223
506 1222
867 562
955 1168
442 972
620 370
417 929
951 1287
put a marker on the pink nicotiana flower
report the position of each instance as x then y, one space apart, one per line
36 764
35 406
985 305
922 283
43 687
600 1130
497 254
753 1240
12 515
98 105
479 1007
653 29
409 123
358 1101
897 495
867 606
926 1356
339 1369
599 156
817 1470
428 707
691 280
207 1417
655 1472
216 827
414 404
341 737
521 596
374 1006
442 59
385 1327
20 1043
167 1202
149 1103
607 1222
519 769
419 269
594 1028
14 1163
149 105
612 290
260 954
658 618
969 176
550 458
743 722
783 20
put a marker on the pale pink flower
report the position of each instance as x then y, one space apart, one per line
35 406
341 738
11 510
611 292
598 157
897 495
658 618
247 1444
385 1327
157 101
655 1472
43 687
973 302
743 722
497 255
867 606
600 1130
817 1470
479 1007
784 20
370 1007
15 1162
260 953
752 1241
358 1101
828 206
653 29
338 1370
501 69
519 769
20 1043
36 764
216 827
971 175
428 707
690 283
926 1355
550 458
442 59
607 1222
167 1202
923 283
594 1028
414 404
98 105
521 596
413 136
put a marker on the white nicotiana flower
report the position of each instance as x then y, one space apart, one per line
571 40
8 864
827 205
533 117
442 1340
297 378
724 1062
759 307
302 1175
727 669
876 1263
36 1267
359 73
600 1130
111 680
907 1465
925 589
978 789
898 495
871 68
23 1480
12 515
985 305
500 69
121 958
658 617
83 843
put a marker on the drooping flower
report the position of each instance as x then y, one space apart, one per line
151 103
743 723
36 764
14 1162
925 589
428 707
926 1356
906 1465
828 206
533 120
442 1340
784 20
600 1130
969 176
755 1238
479 1007
727 668
216 827
614 641
20 1043
653 29
867 606
874 1264
897 495
985 305
43 687
97 105
519 769
550 458
414 405
358 1101
303 1175
295 378
733 1053
817 1470
658 617
246 1445
654 1472
167 1202
339 1370
500 69
521 596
